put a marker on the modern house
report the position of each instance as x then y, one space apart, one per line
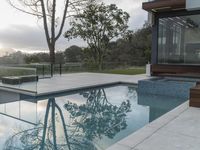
176 40
176 37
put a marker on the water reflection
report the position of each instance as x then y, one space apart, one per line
96 118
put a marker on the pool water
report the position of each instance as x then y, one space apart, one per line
91 119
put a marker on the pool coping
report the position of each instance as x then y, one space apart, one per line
136 138
64 91
86 87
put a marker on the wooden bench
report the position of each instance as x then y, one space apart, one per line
14 80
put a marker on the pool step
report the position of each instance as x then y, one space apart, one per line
195 96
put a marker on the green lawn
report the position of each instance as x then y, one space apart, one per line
131 71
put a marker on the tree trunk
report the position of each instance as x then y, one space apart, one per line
100 64
100 59
52 54
52 57
100 67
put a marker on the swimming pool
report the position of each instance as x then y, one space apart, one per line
91 119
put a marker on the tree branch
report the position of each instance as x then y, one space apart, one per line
35 13
45 23
53 22
63 20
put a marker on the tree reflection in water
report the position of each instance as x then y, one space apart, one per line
98 117
94 119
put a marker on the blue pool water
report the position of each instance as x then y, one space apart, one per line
85 120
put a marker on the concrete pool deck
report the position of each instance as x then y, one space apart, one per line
82 80
74 81
177 130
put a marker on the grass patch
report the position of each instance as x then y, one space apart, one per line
131 71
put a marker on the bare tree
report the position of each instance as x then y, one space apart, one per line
53 14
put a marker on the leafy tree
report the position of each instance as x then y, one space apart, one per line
132 49
49 11
36 58
141 42
14 58
98 25
43 58
74 54
60 57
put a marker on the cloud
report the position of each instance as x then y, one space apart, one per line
22 36
32 37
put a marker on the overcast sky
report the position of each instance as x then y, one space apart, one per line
23 32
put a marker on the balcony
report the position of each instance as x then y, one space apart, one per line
163 5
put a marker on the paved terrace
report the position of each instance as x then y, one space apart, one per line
74 81
176 130
80 80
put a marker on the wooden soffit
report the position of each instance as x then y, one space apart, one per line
164 5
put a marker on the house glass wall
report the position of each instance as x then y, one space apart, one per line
179 40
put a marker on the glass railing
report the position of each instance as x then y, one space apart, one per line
43 70
20 78
151 0
22 110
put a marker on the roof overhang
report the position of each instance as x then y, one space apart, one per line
164 5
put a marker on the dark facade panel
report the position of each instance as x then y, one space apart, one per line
154 52
164 5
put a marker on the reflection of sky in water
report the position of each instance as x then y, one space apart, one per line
137 118
10 126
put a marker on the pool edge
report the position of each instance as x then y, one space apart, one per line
134 139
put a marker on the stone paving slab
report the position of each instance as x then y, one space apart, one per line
164 140
72 81
177 130
188 124
80 80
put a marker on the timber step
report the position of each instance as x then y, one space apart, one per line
195 95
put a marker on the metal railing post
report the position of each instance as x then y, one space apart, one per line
51 70
60 69
43 70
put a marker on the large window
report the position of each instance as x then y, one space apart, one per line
179 40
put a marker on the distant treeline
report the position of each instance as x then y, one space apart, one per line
132 50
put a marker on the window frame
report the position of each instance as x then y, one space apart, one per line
155 33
